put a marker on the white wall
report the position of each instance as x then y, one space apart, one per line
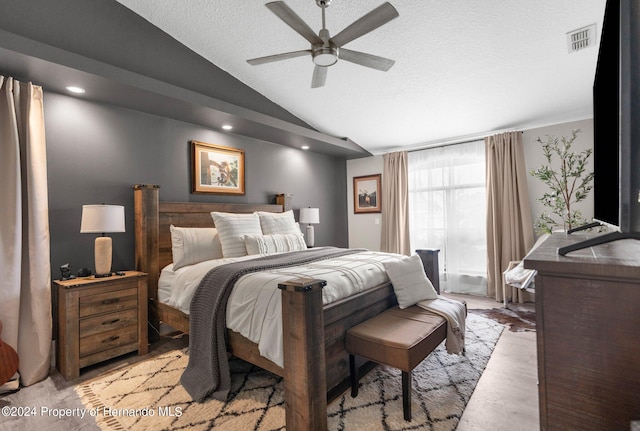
364 229
364 232
534 158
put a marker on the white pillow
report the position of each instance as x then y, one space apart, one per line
265 244
191 245
277 223
410 283
232 228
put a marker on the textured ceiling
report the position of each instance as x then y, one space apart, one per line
463 68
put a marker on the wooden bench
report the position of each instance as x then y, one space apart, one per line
399 338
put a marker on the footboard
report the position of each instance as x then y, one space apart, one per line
316 364
315 358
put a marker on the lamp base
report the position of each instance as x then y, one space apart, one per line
309 237
103 256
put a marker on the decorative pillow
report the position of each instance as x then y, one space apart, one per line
232 228
265 244
410 283
277 223
191 245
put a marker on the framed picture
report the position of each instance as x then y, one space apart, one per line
217 169
366 194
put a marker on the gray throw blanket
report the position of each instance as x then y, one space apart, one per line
207 372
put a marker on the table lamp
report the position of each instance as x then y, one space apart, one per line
102 219
309 216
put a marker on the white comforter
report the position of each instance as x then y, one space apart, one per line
254 307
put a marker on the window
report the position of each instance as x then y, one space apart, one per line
447 201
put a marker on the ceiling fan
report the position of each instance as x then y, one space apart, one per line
325 50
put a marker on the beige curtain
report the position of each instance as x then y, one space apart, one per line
25 307
509 226
395 204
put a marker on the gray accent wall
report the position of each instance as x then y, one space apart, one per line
97 152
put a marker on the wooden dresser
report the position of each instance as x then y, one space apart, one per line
588 334
99 319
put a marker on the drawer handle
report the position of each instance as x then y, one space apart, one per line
114 338
110 301
111 322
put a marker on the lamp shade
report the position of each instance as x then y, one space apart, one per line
310 215
102 219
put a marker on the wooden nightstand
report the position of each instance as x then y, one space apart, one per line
100 318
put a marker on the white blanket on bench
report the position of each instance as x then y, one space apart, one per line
454 312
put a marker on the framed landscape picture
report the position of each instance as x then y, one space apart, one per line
366 194
217 169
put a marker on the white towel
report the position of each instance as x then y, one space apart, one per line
454 312
518 276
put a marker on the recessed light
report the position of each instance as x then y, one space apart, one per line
76 90
305 147
227 127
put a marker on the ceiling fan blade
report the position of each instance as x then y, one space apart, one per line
319 76
286 14
278 57
369 22
367 60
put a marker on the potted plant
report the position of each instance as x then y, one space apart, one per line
569 182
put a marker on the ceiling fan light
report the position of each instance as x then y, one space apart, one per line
325 57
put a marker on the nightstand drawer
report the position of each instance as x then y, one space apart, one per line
108 340
110 301
108 322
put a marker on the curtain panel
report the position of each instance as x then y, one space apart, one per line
447 198
509 226
395 204
25 308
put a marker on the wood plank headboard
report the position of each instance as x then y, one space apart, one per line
153 219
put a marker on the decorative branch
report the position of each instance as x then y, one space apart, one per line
568 185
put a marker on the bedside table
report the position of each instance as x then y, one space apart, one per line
99 319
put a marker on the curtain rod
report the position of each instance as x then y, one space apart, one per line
468 138
458 140
452 141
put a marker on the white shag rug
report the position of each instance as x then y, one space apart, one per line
148 395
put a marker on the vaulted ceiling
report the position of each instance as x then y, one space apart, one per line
462 68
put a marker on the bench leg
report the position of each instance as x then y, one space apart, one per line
406 394
354 376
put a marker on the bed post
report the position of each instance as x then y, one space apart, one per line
145 198
305 384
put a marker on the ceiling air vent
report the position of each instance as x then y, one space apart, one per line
581 38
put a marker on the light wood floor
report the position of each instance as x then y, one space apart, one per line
506 397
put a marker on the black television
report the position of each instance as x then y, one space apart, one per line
606 121
616 123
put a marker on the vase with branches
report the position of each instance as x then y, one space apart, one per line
569 182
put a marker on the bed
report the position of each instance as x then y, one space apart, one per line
316 366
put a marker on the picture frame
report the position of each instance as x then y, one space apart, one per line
217 169
367 192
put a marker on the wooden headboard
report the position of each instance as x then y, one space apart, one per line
153 219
